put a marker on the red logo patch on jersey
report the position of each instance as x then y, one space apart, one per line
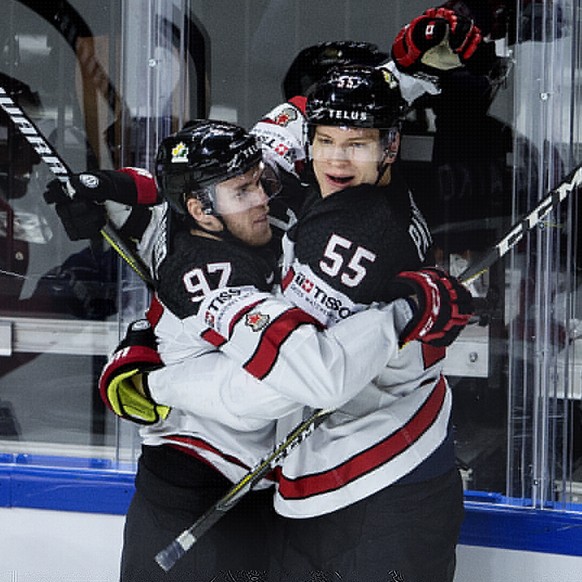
307 285
209 319
286 116
281 149
257 321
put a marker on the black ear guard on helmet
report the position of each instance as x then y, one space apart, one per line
270 179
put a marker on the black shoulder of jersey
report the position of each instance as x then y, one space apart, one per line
198 264
361 234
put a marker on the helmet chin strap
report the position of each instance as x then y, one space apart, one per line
383 165
223 234
390 154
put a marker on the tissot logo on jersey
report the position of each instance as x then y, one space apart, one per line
218 302
221 310
276 144
322 299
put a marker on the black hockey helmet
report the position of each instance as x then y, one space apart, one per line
199 156
313 62
356 96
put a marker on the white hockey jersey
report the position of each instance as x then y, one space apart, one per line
384 433
199 279
386 430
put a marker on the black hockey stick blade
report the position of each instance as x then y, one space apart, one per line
59 168
167 557
572 181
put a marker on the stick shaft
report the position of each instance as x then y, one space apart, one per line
59 168
572 181
167 557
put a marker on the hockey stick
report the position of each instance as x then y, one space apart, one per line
176 549
570 183
60 169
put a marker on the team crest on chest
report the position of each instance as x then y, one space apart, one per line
257 321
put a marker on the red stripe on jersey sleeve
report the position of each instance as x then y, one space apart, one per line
155 311
432 354
145 185
287 278
273 337
213 337
370 459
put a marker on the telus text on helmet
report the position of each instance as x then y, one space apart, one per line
341 114
243 156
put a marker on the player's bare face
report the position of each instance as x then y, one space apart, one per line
244 207
345 156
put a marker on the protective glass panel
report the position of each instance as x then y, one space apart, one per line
544 453
108 80
101 83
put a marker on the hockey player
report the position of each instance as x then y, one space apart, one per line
392 442
376 485
210 173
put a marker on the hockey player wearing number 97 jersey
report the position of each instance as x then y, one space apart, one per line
215 254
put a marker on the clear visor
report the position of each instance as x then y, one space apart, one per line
339 143
249 190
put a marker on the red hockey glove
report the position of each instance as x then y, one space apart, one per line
414 44
123 382
444 306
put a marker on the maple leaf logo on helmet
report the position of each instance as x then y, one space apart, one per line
179 153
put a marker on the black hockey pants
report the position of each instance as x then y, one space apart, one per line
405 533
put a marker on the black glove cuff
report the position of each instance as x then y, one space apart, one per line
135 225
483 59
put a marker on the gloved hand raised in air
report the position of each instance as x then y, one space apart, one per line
440 39
123 383
442 306
80 203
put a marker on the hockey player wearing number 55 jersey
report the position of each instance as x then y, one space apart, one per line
375 485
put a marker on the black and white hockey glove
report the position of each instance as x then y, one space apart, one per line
128 186
81 219
443 306
123 383
80 204
439 38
